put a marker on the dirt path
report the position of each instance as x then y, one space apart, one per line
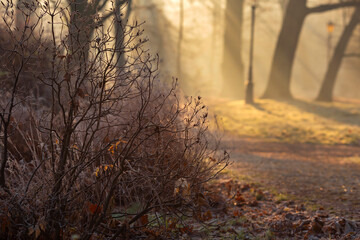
326 176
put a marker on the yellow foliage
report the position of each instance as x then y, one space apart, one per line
116 146
102 168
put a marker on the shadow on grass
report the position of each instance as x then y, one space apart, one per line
322 183
260 108
329 110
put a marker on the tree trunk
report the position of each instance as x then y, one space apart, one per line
179 47
214 39
120 44
81 17
25 10
283 4
278 86
233 67
119 30
327 88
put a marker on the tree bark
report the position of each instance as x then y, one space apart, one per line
184 84
327 87
214 39
283 4
233 67
81 17
278 86
119 30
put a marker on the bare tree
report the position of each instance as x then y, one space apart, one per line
327 87
278 85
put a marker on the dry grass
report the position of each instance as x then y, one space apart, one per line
293 121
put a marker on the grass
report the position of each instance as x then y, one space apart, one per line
292 121
351 160
311 206
280 197
231 173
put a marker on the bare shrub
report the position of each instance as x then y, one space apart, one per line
113 143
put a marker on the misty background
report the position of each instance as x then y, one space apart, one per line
189 37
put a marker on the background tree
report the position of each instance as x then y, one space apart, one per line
180 38
216 26
278 85
23 14
283 4
233 67
327 87
121 25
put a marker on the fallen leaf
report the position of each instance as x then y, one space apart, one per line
144 220
94 208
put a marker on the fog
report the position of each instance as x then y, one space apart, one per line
202 45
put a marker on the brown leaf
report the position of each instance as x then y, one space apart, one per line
31 230
80 93
237 213
245 187
228 187
201 201
37 232
94 208
239 198
67 77
207 216
68 58
316 226
172 224
144 220
186 229
106 139
253 203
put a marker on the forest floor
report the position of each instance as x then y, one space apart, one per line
302 157
295 174
307 150
321 176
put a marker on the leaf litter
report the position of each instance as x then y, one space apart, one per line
232 209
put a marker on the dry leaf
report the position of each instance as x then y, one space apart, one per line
80 93
144 220
94 208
